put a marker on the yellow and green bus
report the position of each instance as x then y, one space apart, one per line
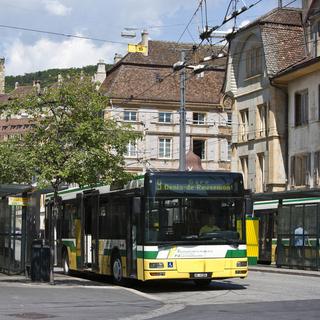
150 228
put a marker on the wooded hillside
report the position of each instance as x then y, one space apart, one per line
46 77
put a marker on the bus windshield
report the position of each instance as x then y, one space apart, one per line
194 220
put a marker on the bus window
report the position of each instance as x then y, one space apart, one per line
182 219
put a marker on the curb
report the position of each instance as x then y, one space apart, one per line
295 272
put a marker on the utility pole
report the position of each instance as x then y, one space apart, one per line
182 111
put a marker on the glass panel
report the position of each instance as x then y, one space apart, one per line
284 220
193 219
165 117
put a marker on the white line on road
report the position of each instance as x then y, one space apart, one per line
164 310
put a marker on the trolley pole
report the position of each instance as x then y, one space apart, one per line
182 111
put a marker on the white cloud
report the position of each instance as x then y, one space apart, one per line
46 54
56 8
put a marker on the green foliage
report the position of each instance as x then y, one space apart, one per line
46 77
70 141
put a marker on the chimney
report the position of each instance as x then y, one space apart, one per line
37 85
117 58
279 4
2 75
145 40
101 73
60 79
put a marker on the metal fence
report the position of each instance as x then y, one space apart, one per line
299 236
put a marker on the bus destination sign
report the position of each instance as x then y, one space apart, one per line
194 185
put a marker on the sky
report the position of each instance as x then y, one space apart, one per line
101 23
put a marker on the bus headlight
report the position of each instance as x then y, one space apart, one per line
242 264
156 265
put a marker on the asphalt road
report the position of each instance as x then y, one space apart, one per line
260 296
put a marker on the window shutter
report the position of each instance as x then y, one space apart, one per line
297 109
316 168
308 168
292 172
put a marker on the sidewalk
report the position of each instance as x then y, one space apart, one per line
284 270
59 280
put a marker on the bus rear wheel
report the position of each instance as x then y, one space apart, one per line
116 271
202 282
65 262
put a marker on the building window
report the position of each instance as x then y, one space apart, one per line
244 169
253 61
198 118
300 170
244 125
165 117
165 147
315 35
229 151
316 168
301 105
199 148
129 115
132 149
261 121
229 119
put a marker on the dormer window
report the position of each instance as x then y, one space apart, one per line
253 61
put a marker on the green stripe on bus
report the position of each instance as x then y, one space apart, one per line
252 261
147 254
70 245
236 254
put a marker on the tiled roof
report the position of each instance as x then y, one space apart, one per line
161 84
167 53
151 77
288 16
284 16
21 91
282 38
283 46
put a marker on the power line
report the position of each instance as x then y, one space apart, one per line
194 14
60 34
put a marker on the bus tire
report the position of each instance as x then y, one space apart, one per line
65 262
116 269
202 282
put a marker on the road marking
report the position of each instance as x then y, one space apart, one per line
164 310
142 294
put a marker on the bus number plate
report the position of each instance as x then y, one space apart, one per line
201 275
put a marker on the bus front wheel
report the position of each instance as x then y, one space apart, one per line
117 269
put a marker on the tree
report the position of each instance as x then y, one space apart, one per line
70 140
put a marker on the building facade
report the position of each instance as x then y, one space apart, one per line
259 136
144 91
302 84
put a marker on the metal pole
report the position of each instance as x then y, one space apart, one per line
182 111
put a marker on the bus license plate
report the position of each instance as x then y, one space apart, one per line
201 275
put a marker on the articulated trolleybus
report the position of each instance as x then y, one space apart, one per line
166 225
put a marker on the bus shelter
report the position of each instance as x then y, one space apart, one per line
19 225
297 225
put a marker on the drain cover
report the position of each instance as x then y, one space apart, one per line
31 316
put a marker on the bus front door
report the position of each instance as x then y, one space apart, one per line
133 226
